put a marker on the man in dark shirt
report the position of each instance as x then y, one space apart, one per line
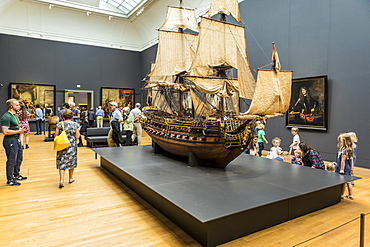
91 117
14 151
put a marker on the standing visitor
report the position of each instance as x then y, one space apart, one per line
11 129
91 117
354 141
261 138
76 117
24 117
137 133
39 117
115 123
75 111
128 124
67 158
65 106
296 140
345 161
99 117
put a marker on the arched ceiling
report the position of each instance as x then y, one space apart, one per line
91 22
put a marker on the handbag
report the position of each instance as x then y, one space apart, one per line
61 141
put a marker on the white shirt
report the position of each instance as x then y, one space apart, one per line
296 139
136 112
274 152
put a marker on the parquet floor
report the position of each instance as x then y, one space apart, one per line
97 210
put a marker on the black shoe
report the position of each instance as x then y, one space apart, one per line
12 182
27 146
20 177
37 134
61 186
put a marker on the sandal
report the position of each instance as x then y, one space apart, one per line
349 197
61 184
71 180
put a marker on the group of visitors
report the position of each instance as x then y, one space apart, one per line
305 155
127 121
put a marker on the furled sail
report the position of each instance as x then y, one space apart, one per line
222 87
272 94
226 7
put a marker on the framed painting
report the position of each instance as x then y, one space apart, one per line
123 96
33 94
308 105
71 99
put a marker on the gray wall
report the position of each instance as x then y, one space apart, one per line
314 38
318 37
66 66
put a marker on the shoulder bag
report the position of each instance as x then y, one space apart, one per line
61 141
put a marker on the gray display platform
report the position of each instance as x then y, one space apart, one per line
218 205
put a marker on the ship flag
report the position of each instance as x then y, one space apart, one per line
275 58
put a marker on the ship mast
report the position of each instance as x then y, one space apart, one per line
180 78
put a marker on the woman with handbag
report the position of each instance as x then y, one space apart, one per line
67 158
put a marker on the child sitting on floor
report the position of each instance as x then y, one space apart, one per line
283 157
276 150
297 158
331 166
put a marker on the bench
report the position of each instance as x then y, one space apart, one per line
98 136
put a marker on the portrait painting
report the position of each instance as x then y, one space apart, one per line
123 97
308 105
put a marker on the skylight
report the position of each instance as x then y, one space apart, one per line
124 5
120 8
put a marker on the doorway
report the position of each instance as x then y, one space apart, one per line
82 98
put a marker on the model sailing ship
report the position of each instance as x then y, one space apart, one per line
195 98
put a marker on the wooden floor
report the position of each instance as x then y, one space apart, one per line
97 210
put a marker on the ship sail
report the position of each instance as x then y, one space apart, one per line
226 7
175 49
272 94
229 50
222 87
200 75
180 18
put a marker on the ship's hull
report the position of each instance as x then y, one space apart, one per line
206 142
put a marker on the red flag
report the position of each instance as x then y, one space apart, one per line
275 58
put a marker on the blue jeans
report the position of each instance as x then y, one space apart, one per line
14 154
38 126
